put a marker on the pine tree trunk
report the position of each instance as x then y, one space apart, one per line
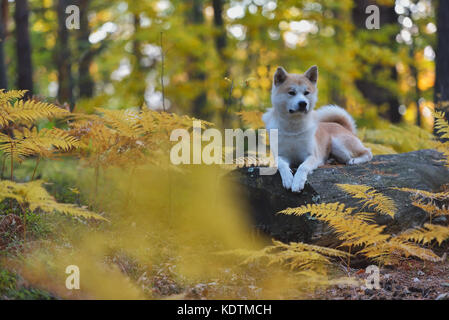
63 57
85 82
3 69
23 46
220 45
442 58
374 93
196 17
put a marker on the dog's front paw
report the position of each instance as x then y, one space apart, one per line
298 184
287 180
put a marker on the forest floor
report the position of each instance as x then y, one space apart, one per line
410 280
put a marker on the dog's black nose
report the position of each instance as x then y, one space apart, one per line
302 106
291 111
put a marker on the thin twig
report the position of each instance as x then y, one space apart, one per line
35 167
12 163
228 103
3 167
162 72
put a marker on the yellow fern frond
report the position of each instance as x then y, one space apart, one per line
441 124
41 142
426 234
431 208
322 211
252 119
354 232
34 195
426 194
295 255
30 111
390 251
371 198
8 96
123 121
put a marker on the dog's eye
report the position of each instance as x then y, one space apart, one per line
292 93
306 93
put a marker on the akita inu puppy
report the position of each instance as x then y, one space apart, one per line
308 137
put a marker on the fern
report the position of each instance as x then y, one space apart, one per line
441 124
371 198
426 234
28 112
34 196
356 230
431 208
295 255
426 194
252 119
328 211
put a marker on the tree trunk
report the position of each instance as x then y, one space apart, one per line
371 91
220 38
3 25
196 17
138 72
63 57
220 46
442 58
23 46
85 82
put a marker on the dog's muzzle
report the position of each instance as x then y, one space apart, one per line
302 107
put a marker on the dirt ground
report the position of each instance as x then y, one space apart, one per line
411 280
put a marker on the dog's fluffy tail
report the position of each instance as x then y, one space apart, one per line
337 114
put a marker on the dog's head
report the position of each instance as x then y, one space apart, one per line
294 95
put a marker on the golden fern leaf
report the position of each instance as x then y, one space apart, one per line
426 194
300 246
353 229
253 119
42 142
322 211
12 148
441 124
30 111
34 195
124 121
327 211
410 249
371 198
296 256
426 234
390 250
431 208
354 232
7 96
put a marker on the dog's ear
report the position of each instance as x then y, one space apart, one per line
312 74
280 76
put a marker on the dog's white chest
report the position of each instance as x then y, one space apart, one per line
294 145
295 148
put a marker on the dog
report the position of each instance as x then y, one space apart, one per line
308 137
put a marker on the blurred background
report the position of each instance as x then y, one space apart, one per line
212 58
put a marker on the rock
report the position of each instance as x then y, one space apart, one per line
443 296
265 195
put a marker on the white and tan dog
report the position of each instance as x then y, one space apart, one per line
305 136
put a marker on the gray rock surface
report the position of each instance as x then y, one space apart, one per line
265 195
